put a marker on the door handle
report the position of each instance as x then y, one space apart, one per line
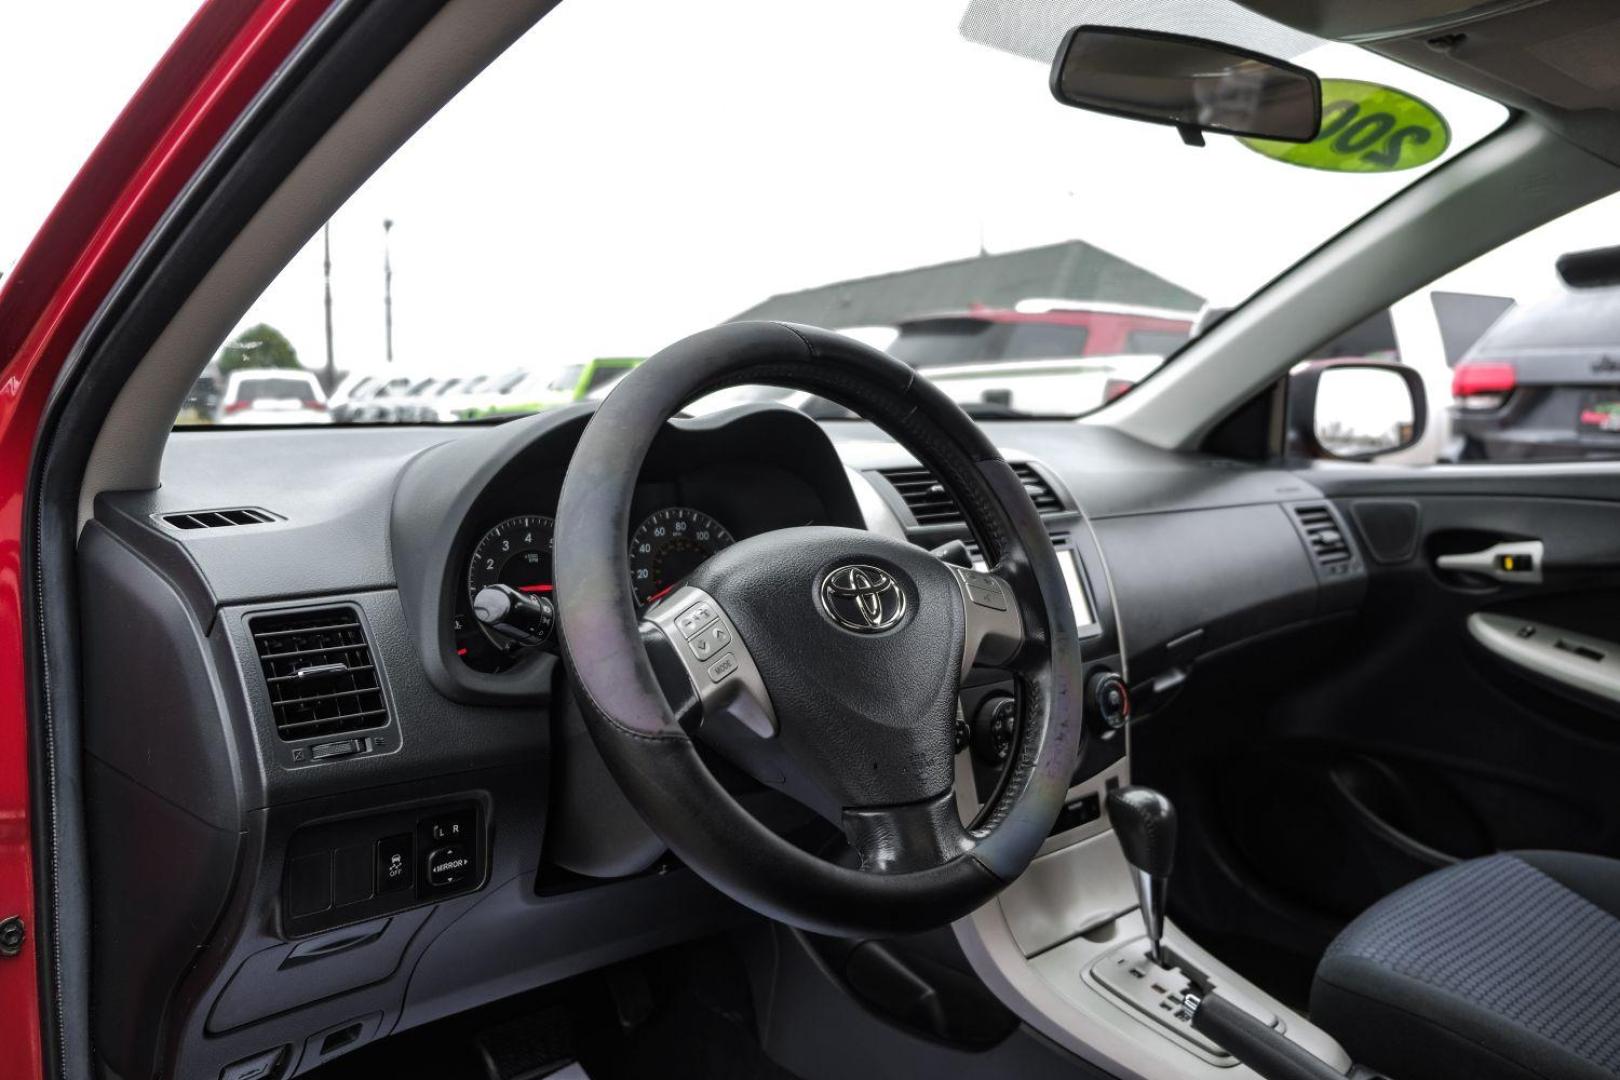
1512 560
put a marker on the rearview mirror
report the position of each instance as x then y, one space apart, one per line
1192 84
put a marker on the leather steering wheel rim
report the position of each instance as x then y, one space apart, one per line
653 756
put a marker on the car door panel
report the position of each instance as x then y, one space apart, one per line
1415 744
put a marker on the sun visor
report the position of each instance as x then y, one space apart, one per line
1365 21
1034 28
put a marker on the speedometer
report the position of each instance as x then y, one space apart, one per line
517 552
669 545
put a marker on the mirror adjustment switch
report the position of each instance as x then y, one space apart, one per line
451 827
451 864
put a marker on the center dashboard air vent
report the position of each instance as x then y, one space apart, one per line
931 504
924 496
319 671
1040 490
1324 536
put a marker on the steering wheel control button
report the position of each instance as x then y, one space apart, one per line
721 668
449 865
695 618
984 589
995 630
395 870
995 729
991 598
708 641
863 599
715 660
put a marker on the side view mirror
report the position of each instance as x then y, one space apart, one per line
1192 84
1354 409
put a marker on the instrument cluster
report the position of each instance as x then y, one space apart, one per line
508 604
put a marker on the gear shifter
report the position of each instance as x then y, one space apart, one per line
1145 823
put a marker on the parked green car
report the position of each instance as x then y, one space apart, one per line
543 390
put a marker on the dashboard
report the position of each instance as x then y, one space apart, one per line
505 855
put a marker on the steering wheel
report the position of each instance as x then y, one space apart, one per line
824 662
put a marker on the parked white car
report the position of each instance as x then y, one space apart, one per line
272 396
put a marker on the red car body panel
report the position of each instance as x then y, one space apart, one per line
220 62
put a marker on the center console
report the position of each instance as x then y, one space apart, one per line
1078 947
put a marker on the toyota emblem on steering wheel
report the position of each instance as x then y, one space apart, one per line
863 599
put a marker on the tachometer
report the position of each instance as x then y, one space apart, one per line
669 545
517 552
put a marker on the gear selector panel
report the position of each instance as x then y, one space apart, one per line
1159 993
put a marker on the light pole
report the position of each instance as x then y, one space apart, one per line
388 295
326 270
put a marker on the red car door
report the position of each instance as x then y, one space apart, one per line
220 62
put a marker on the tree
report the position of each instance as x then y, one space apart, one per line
259 346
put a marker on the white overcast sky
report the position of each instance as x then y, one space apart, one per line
633 171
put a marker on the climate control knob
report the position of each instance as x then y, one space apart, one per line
1110 701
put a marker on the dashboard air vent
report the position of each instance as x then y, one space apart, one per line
931 504
1323 536
1040 491
219 519
319 671
924 496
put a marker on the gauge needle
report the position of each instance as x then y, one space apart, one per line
536 588
661 593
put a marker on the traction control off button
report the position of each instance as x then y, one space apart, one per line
394 872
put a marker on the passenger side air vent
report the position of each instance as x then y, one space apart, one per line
1323 536
218 519
924 496
319 671
1040 491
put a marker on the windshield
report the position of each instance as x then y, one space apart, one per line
898 170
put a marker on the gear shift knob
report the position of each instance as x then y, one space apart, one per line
1145 823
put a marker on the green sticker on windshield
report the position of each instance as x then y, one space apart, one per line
1366 128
